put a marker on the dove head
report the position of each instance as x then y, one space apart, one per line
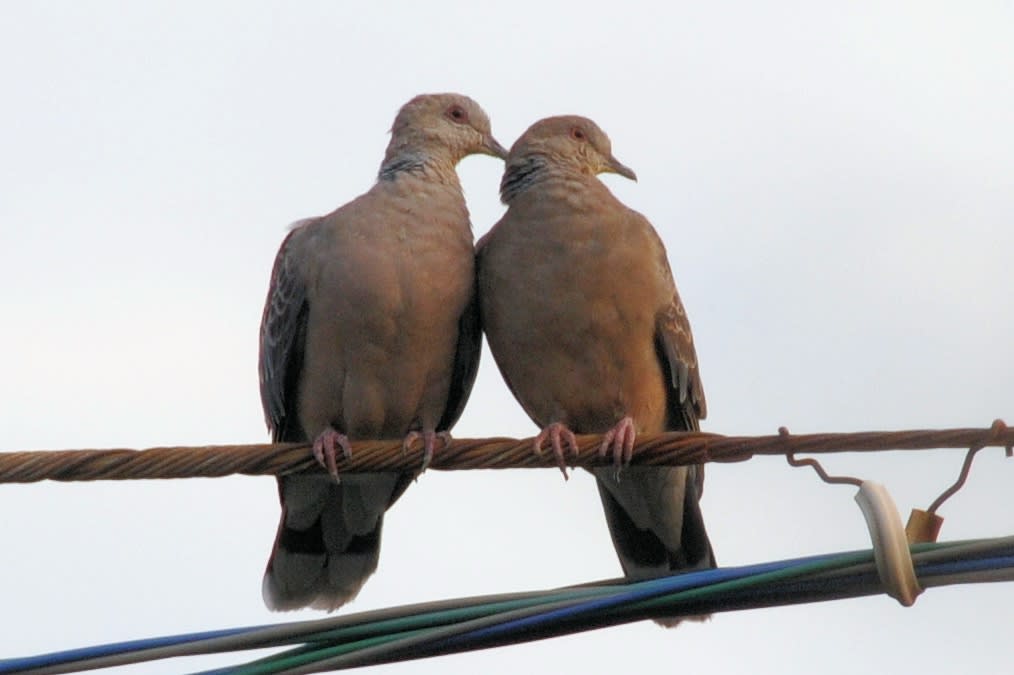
573 142
437 131
566 145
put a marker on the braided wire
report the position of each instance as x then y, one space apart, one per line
675 448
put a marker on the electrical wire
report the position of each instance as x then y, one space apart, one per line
449 626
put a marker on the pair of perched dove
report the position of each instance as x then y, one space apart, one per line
372 330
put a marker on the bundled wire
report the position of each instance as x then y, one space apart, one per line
446 627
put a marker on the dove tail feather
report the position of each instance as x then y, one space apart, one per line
328 540
647 549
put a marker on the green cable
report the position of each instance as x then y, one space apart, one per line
378 633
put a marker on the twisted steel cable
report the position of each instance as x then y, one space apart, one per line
675 448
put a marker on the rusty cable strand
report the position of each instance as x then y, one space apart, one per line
668 449
997 430
816 466
824 475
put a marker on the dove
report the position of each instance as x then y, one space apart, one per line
370 331
584 321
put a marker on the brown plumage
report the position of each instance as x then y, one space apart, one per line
370 330
584 321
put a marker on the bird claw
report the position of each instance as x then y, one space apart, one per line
429 439
620 441
558 434
325 450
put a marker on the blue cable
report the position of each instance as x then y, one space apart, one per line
965 566
113 648
643 590
798 589
807 589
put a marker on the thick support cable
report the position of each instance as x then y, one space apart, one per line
677 448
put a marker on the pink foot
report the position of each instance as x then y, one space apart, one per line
325 450
429 439
619 439
558 434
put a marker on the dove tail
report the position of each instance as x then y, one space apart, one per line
656 531
328 540
654 517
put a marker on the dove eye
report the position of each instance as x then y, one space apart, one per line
578 134
457 114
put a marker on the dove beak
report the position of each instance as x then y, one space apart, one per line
614 165
492 147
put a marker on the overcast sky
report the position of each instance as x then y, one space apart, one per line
835 186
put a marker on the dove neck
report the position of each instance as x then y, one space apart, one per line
419 164
521 175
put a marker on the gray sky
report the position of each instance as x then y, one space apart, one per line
835 185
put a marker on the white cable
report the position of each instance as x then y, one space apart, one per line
890 544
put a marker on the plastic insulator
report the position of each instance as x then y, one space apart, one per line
923 527
890 544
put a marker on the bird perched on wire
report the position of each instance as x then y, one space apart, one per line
370 331
582 315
